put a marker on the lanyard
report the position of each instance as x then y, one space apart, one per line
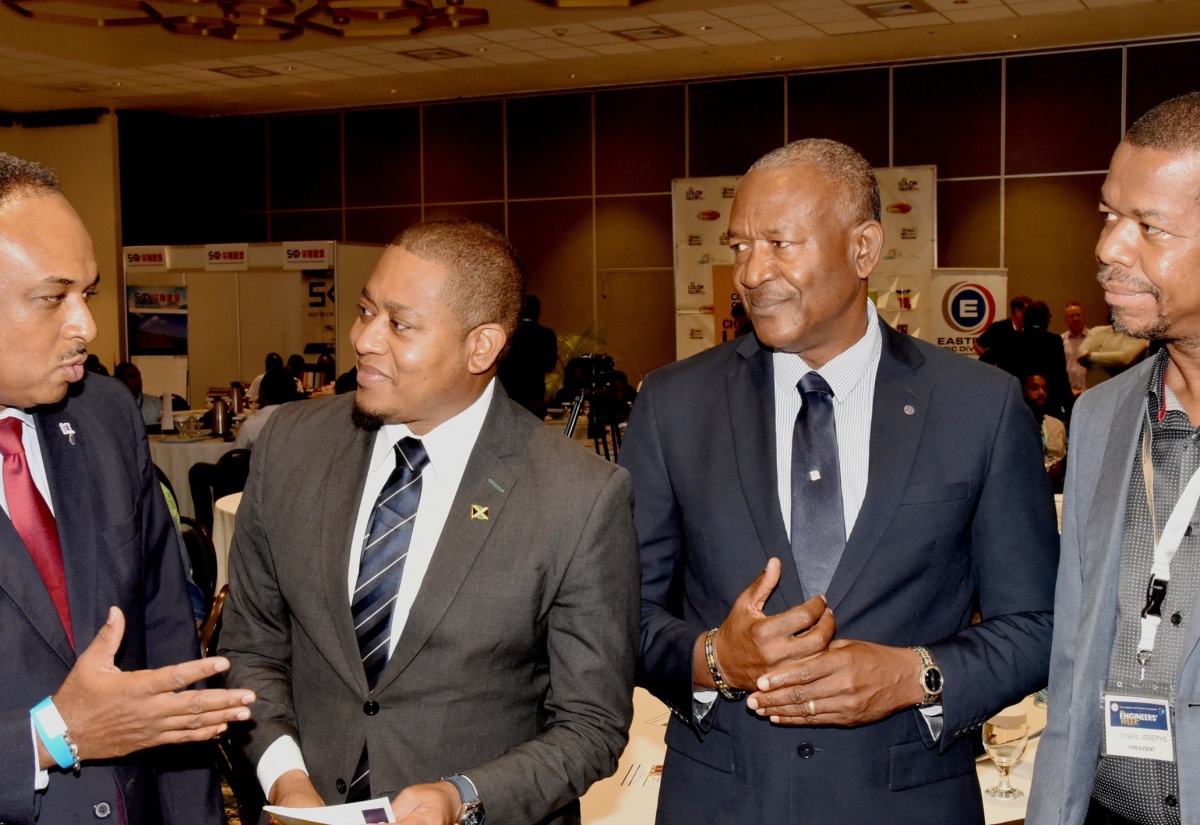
1165 547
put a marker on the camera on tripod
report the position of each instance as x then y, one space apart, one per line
590 376
595 370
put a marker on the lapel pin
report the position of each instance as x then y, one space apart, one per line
68 432
494 484
479 512
909 409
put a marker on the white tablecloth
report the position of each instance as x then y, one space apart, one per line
224 517
630 796
176 457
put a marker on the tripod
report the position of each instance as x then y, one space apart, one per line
603 426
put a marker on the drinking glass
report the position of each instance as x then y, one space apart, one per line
1004 738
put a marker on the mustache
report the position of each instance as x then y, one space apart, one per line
74 352
1119 275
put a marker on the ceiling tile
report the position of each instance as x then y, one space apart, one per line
464 63
748 10
680 17
799 6
324 75
564 29
912 21
335 63
493 49
849 27
353 51
668 43
619 48
983 13
566 53
419 66
194 87
220 64
732 38
767 21
452 41
285 79
623 24
791 32
507 35
368 71
835 15
539 45
596 39
1047 7
515 57
1099 4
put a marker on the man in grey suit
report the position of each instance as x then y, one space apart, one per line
1126 606
91 576
494 674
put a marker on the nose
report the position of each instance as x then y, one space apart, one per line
1118 243
80 325
755 266
366 336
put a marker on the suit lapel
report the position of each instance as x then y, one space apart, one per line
895 436
486 482
751 399
346 476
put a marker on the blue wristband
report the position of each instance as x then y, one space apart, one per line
48 723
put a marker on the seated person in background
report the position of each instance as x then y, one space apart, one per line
346 382
1054 432
1106 353
273 362
92 364
277 389
150 405
295 367
623 394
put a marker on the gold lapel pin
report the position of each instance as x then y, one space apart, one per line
479 512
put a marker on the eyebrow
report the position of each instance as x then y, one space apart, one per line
391 306
52 281
1143 214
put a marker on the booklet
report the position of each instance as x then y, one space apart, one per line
352 813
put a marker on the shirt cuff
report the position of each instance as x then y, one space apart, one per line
284 755
703 701
933 718
41 778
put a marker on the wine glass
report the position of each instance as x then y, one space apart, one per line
1004 738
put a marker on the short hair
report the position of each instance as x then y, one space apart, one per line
124 368
277 387
23 177
1037 315
1171 126
1019 302
1070 304
839 162
485 281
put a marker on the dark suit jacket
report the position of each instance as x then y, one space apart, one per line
958 517
119 548
1037 352
516 664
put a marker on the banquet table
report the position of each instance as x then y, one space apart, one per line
630 796
175 456
224 519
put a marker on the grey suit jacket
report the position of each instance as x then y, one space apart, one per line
1105 430
516 664
119 548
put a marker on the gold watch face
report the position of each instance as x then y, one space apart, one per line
931 679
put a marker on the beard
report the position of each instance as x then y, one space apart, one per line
1157 329
365 419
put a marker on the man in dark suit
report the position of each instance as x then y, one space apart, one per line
432 593
91 577
901 493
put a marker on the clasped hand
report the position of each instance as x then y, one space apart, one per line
799 673
111 713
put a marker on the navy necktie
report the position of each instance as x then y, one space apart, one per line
818 526
383 554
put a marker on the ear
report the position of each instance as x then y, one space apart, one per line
484 345
868 245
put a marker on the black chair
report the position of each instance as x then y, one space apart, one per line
200 481
202 555
233 469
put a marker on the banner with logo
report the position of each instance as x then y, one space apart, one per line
963 302
700 209
157 320
900 282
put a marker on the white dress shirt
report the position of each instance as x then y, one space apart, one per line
449 446
37 469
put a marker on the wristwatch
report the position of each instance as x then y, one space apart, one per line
471 812
931 678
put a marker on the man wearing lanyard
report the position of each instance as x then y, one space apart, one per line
1124 713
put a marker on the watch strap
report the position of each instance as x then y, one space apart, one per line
52 730
928 664
714 670
471 812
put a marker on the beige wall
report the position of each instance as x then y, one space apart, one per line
85 158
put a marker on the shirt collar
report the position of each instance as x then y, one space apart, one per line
845 371
448 445
16 412
1159 398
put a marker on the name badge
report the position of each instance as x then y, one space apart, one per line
1138 726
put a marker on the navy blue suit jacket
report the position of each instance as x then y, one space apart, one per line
958 518
119 548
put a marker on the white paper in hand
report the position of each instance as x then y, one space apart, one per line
352 813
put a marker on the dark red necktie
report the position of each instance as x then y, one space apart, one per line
33 520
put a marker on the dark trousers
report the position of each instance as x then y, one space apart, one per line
1100 815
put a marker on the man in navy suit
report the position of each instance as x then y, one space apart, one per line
91 577
822 507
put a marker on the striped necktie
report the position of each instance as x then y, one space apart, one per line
383 554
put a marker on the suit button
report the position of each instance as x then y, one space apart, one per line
102 810
371 707
806 751
341 785
1176 618
1170 801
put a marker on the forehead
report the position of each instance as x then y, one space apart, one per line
1146 180
788 194
42 237
402 277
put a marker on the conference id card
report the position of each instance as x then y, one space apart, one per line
1138 727
351 813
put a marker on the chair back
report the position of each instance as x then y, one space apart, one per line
202 554
201 477
210 631
233 469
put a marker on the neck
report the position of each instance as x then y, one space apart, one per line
849 334
1183 376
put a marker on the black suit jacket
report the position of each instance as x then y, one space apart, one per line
958 517
119 548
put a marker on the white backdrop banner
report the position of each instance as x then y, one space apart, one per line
963 302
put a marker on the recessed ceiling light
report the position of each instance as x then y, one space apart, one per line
481 48
1015 36
433 54
574 76
649 33
243 72
117 83
560 32
291 68
777 57
703 28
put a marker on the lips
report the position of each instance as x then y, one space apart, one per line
369 376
